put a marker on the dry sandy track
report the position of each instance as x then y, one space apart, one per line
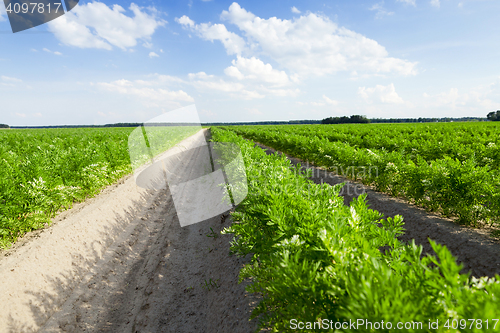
120 262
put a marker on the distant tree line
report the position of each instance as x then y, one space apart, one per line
494 115
291 122
122 125
424 120
108 125
354 119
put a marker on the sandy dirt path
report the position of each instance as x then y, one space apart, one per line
474 248
121 262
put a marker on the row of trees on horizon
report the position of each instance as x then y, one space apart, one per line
354 119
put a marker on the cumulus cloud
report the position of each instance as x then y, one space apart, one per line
95 25
295 10
482 97
475 99
449 98
153 55
206 82
149 96
435 3
325 101
309 45
249 90
233 43
380 94
381 12
49 51
330 101
255 69
408 2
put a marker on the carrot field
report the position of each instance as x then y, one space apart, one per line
44 171
318 260
451 168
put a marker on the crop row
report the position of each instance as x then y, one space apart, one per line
43 171
315 260
451 168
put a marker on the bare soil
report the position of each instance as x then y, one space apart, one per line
121 262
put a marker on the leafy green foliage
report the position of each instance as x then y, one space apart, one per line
45 170
452 168
315 258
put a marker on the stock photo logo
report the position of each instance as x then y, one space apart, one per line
205 179
24 15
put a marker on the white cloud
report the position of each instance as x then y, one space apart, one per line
325 101
295 10
309 45
49 51
408 2
381 11
234 72
384 94
22 115
435 3
152 55
450 98
256 69
233 43
479 99
252 87
185 21
3 14
200 75
202 81
95 25
330 101
279 92
8 79
149 96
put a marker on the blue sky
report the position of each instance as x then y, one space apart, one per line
120 61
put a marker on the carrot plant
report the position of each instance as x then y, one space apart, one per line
316 260
452 168
45 170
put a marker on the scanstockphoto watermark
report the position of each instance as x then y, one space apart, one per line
27 14
333 172
365 324
205 179
349 171
311 190
359 324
